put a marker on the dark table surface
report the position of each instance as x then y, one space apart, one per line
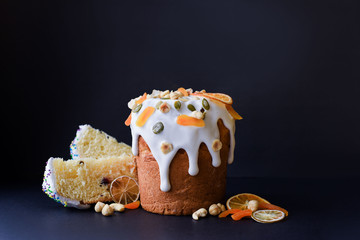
318 209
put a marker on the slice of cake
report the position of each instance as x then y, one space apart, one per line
90 142
97 160
77 183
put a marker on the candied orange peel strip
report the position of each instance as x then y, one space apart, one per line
133 205
269 206
141 99
128 120
183 91
232 112
186 120
228 212
224 98
144 116
242 213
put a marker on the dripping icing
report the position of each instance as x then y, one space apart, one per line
188 138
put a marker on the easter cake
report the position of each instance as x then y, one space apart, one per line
182 141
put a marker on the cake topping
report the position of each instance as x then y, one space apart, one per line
205 104
158 128
185 120
144 116
191 107
184 92
165 94
216 145
137 108
181 127
177 105
157 106
166 147
233 113
175 95
183 99
141 99
164 107
197 114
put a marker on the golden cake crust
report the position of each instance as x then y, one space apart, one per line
188 193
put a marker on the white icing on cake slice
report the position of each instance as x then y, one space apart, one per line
49 188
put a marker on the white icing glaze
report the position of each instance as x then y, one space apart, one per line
188 138
79 134
49 187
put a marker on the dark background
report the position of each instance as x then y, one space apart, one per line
291 67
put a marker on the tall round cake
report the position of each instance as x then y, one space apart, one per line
182 141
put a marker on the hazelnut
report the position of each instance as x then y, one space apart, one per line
197 114
214 210
221 206
253 205
164 107
166 147
216 145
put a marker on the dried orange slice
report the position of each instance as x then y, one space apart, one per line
240 201
124 190
268 216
